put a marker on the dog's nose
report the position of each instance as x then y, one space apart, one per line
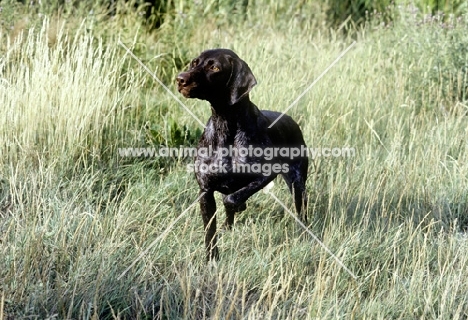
183 78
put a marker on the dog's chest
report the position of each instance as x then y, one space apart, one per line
231 151
230 155
228 158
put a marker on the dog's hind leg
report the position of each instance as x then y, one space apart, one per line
295 179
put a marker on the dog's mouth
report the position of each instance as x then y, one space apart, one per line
188 91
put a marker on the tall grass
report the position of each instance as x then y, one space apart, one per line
74 215
58 98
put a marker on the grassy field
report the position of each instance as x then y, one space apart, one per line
74 215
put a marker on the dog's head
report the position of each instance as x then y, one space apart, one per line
218 76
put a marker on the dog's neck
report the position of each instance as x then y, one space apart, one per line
227 120
236 113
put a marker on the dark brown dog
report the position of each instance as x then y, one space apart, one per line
236 124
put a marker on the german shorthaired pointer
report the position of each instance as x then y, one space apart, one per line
241 154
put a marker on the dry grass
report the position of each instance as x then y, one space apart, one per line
74 216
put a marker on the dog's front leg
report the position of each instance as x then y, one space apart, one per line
208 209
236 199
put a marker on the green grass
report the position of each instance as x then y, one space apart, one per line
74 215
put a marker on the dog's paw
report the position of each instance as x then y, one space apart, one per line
231 204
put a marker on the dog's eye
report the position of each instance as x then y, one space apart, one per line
214 68
194 63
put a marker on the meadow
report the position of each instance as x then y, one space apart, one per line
88 234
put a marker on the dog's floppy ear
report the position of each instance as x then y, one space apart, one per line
241 81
